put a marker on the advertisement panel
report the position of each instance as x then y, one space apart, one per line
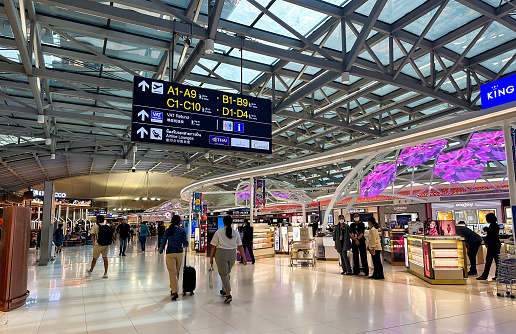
498 92
426 258
259 193
197 202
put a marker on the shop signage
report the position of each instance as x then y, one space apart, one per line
41 193
400 208
463 205
498 92
197 202
175 114
352 211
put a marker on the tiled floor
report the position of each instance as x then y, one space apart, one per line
269 297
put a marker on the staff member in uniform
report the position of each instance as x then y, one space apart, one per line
356 232
493 245
473 241
247 239
226 241
343 244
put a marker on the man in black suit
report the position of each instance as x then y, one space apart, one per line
357 234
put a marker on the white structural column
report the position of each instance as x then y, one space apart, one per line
251 201
510 170
341 186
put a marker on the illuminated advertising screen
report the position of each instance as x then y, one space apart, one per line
174 114
447 227
488 146
419 154
426 258
379 179
461 165
432 228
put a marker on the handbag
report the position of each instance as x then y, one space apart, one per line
210 277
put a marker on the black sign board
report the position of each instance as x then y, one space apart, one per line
175 114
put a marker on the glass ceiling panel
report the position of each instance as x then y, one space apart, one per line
303 20
393 10
232 73
245 13
248 55
494 3
453 16
494 36
298 67
381 50
385 90
496 64
69 14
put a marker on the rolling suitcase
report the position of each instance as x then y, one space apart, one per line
189 279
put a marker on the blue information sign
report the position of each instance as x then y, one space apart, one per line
498 92
169 113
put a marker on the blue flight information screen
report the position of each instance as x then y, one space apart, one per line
174 114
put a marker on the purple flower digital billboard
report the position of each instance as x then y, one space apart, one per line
379 179
418 154
461 165
488 145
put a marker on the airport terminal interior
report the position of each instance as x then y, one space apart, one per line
257 166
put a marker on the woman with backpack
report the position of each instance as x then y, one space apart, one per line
225 242
175 239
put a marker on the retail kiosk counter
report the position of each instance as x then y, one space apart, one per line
437 259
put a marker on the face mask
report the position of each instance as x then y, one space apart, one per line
341 221
356 219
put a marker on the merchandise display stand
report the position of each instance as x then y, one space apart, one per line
263 241
437 260
392 246
302 252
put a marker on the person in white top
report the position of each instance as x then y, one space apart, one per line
375 247
226 241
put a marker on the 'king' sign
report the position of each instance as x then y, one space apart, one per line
498 92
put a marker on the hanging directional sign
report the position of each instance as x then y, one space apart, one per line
175 114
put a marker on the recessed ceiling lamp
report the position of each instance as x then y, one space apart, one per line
209 46
41 119
345 77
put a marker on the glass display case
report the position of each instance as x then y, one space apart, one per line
437 259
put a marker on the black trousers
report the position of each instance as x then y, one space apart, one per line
472 255
377 263
361 248
491 255
249 246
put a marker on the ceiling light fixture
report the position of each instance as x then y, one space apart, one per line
345 78
209 48
53 156
41 119
48 141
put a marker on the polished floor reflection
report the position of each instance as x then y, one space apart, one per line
269 297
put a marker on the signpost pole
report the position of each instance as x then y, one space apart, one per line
190 217
251 201
509 153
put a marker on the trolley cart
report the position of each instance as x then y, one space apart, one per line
506 279
302 252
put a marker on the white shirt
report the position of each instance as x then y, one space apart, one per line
220 240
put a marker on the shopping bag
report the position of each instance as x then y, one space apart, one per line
210 277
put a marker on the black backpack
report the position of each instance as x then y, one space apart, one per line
105 237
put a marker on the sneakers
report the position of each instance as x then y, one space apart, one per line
88 272
222 293
175 296
105 276
228 299
123 254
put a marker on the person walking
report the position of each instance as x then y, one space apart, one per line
247 239
144 230
101 237
226 241
315 226
375 247
473 242
175 239
161 232
356 233
123 230
493 245
58 238
343 244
